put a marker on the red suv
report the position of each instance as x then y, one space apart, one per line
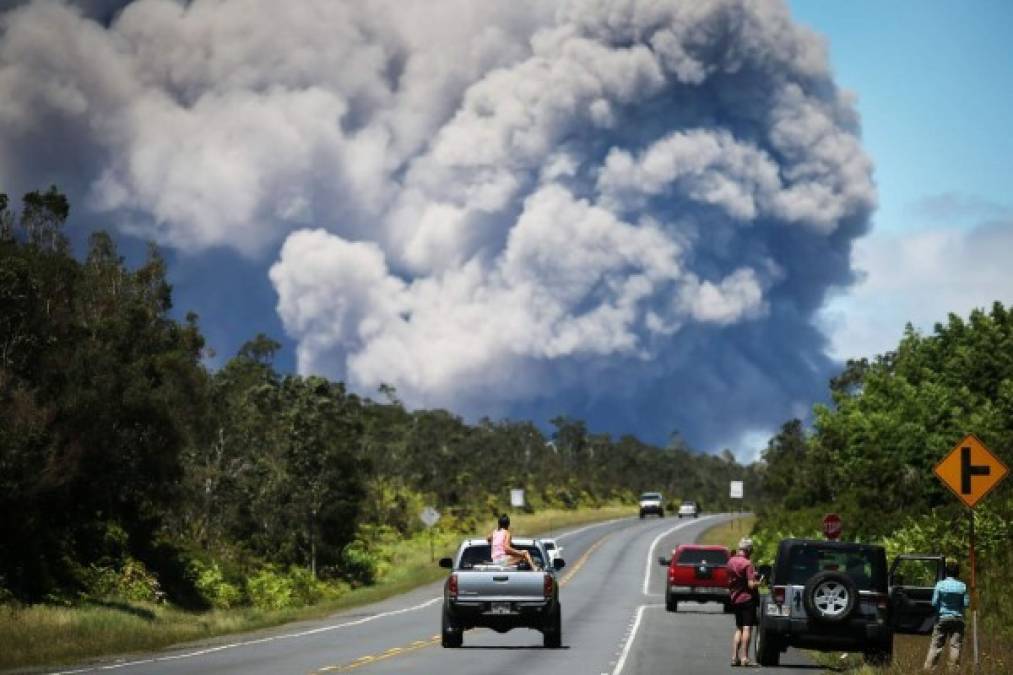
696 572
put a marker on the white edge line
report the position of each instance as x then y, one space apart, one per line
629 640
246 643
654 544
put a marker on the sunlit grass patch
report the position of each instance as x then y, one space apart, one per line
729 533
995 655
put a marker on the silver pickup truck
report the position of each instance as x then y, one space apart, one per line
480 594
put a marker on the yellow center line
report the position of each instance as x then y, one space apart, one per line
583 559
434 640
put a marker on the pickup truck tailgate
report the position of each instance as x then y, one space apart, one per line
500 585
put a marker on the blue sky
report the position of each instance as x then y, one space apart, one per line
934 87
934 82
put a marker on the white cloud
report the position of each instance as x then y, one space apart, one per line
918 277
572 280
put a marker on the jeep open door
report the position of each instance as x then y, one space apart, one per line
912 580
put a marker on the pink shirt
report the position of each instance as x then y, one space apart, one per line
499 544
740 572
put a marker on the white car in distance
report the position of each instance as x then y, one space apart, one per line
553 550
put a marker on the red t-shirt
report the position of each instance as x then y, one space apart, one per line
740 572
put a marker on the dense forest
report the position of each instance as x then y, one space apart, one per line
869 456
129 467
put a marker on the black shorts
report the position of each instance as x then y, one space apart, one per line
745 614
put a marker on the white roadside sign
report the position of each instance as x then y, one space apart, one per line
429 516
736 489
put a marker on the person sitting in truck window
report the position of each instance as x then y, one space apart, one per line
503 553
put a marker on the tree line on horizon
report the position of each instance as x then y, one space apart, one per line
121 451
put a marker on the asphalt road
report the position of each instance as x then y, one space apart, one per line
614 621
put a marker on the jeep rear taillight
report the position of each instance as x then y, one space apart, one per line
547 586
777 592
452 586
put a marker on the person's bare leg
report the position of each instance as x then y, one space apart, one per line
746 634
735 644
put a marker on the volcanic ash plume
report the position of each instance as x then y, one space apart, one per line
628 211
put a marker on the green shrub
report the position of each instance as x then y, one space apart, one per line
359 563
130 581
210 582
270 589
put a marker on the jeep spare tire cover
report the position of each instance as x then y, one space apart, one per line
830 597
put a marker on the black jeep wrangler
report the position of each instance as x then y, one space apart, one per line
838 596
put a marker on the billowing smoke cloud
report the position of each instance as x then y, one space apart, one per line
628 211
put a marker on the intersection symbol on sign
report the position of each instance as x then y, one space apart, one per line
970 470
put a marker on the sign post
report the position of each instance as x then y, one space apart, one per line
735 492
832 526
971 471
429 516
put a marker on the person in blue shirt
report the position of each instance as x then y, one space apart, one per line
950 599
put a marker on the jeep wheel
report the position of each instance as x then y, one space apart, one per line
671 604
641 515
728 608
552 635
768 651
830 597
451 634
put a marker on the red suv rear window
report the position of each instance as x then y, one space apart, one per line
702 557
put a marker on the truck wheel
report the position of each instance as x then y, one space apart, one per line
451 634
661 514
830 597
552 635
768 651
728 609
641 515
671 604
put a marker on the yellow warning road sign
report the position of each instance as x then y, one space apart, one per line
970 470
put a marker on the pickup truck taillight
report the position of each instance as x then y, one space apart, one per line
777 592
547 586
452 586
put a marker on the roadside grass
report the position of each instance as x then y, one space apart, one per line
996 657
729 533
37 635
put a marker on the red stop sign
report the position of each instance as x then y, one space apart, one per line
832 526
